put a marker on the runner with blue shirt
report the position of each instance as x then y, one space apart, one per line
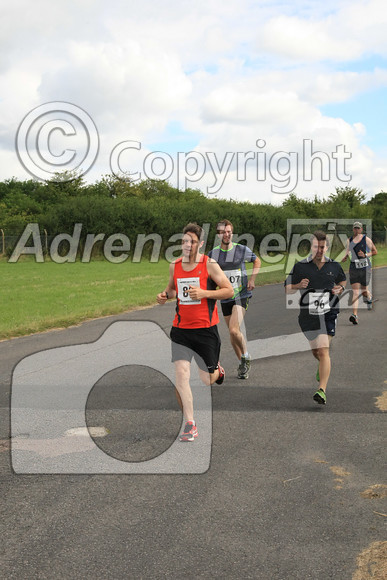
232 257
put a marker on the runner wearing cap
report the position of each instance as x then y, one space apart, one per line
361 249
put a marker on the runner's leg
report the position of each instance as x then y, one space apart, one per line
182 374
366 293
234 323
208 378
355 297
320 350
178 399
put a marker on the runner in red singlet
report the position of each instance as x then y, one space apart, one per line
196 282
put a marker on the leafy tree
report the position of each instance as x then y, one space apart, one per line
352 196
115 187
378 206
67 183
113 205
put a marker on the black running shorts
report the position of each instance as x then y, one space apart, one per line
313 326
203 344
361 276
227 306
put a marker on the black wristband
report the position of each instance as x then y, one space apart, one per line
166 294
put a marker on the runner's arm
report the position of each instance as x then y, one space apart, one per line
339 287
291 284
340 282
292 288
170 290
371 245
346 252
256 267
224 290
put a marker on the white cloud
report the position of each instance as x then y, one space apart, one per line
230 73
261 107
354 30
307 41
121 85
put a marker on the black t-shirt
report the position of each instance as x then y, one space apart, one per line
317 298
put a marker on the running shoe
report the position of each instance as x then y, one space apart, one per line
244 368
369 303
353 319
320 397
189 433
318 374
222 374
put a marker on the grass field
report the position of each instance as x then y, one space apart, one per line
37 297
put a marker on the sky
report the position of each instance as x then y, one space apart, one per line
248 100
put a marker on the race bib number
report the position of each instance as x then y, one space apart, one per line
183 285
318 303
361 263
235 278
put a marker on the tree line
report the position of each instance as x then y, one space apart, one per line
112 206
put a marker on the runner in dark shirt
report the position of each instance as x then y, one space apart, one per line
320 281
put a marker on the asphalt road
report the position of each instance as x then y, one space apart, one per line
281 497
